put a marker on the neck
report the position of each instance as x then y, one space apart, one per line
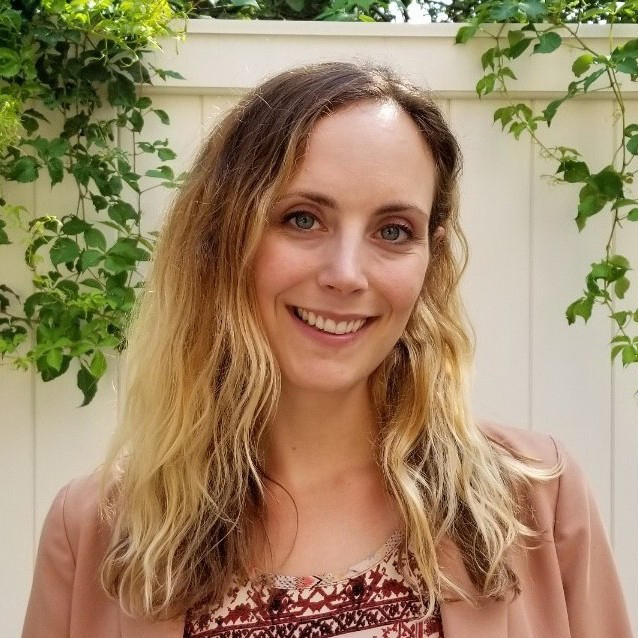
316 436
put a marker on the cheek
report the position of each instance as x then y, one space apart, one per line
402 284
277 268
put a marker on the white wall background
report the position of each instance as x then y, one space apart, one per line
527 263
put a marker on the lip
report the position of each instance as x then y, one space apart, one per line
327 338
332 315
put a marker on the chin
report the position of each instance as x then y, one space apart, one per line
323 382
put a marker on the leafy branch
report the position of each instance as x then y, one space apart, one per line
60 61
541 26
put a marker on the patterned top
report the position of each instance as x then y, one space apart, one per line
369 600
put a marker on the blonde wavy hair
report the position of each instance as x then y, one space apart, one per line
183 483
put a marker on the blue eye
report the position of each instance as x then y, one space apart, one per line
392 232
304 221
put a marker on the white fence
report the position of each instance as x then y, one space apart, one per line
527 262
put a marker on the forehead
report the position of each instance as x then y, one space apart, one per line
368 148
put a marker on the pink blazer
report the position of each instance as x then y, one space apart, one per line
570 588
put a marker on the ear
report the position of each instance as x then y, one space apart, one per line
439 233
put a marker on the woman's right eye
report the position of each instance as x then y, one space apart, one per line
302 220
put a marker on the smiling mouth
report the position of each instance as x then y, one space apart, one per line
329 325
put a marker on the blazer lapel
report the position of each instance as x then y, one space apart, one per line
461 619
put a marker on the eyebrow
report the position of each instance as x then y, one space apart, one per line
329 202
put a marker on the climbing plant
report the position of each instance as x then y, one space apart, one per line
61 62
541 28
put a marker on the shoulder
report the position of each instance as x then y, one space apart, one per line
77 510
536 446
565 496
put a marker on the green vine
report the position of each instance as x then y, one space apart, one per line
604 188
60 61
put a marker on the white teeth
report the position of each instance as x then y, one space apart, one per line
329 325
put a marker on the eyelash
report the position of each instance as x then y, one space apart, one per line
404 227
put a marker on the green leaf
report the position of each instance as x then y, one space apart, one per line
632 145
4 238
502 11
548 42
33 300
166 73
143 103
615 350
54 359
166 154
534 10
629 355
551 108
69 287
94 238
574 171
621 317
621 286
601 271
518 49
620 262
76 124
56 170
63 250
9 63
608 182
486 84
30 124
622 202
514 36
504 114
590 79
99 202
580 308
628 65
163 115
121 91
92 283
58 147
90 258
121 212
487 59
506 71
127 248
296 5
163 172
582 64
98 364
115 185
75 226
24 170
88 384
632 215
465 33
137 121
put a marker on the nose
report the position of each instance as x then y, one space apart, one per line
343 267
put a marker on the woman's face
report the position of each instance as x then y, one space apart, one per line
346 248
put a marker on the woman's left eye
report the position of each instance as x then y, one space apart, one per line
392 232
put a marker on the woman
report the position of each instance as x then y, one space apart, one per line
296 402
